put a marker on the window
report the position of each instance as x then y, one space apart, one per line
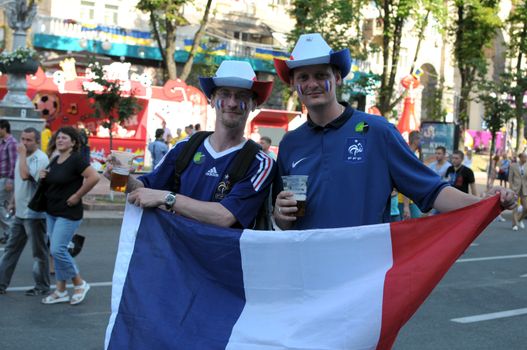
111 14
87 10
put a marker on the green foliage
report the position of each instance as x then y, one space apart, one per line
169 10
498 109
339 22
22 54
516 50
109 101
474 29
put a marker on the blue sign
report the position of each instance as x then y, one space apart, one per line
436 134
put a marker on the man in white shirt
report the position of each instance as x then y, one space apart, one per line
28 224
440 165
518 183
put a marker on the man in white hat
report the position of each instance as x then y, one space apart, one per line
233 92
353 159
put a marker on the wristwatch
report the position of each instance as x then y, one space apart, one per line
170 200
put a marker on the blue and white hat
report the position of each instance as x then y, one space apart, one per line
238 74
312 49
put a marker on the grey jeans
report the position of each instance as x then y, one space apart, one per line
22 229
5 224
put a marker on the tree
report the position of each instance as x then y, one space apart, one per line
340 22
165 17
498 109
395 15
474 29
516 50
109 101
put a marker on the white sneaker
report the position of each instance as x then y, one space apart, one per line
500 219
522 226
515 228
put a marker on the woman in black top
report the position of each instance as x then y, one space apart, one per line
68 178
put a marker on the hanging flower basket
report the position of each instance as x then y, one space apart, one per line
16 67
20 61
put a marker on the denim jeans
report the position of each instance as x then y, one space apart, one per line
5 224
60 231
21 230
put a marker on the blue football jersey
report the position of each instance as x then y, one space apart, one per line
207 170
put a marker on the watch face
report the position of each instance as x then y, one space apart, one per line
170 199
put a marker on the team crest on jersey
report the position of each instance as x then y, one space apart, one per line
198 158
355 150
224 187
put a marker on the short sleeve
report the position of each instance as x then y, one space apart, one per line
162 177
36 164
470 176
82 163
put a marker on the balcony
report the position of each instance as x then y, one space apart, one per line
68 35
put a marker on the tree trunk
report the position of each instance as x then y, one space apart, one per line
197 38
110 120
518 102
491 155
383 99
420 37
170 63
155 27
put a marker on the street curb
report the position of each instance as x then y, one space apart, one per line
102 217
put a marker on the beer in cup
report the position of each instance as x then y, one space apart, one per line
297 184
122 163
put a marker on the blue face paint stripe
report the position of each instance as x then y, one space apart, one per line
299 90
328 86
219 104
243 106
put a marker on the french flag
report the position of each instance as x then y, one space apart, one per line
180 284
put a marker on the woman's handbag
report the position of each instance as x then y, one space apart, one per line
38 202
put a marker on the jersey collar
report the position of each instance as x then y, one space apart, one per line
335 124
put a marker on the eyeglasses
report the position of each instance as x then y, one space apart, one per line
238 96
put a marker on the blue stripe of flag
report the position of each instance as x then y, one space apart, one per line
184 287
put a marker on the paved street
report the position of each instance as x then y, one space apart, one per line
471 288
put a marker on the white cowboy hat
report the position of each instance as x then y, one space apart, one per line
312 49
237 74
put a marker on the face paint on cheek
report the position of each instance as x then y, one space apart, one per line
219 104
299 90
243 106
327 85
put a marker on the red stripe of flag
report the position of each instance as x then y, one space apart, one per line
423 251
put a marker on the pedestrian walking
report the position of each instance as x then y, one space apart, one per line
158 148
67 180
8 156
518 183
27 224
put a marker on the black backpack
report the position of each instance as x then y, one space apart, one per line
236 171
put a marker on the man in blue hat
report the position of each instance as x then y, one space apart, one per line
353 160
233 92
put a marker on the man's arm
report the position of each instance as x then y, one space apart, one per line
22 162
206 212
12 150
473 189
133 184
451 198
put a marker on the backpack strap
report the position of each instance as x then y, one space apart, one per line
237 169
186 155
243 160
